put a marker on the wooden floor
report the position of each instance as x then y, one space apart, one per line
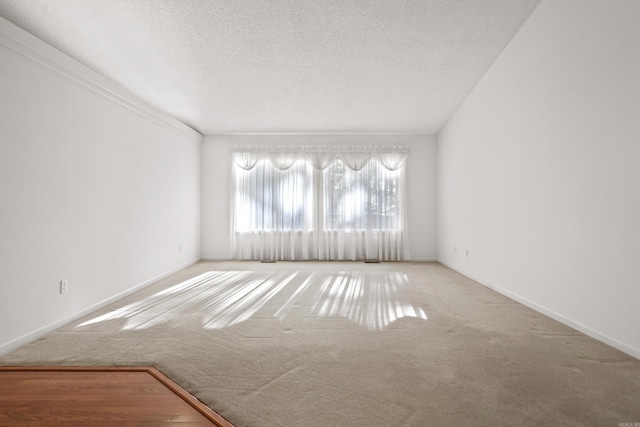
97 396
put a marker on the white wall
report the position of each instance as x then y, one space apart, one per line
539 174
94 188
421 186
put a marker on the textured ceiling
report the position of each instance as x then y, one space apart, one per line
269 66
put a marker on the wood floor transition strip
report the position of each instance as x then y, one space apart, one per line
61 395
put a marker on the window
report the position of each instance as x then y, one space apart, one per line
368 199
269 199
318 202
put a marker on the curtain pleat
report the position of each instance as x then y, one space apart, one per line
245 160
283 161
356 160
320 157
392 160
320 160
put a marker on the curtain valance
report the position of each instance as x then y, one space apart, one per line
355 157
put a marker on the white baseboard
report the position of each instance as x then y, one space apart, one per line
555 315
40 332
218 258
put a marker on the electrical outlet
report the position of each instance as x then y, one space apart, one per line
64 286
467 253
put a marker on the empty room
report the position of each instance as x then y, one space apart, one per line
320 213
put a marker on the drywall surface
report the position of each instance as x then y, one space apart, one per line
421 185
92 192
538 170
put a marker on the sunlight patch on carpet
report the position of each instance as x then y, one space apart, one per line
219 299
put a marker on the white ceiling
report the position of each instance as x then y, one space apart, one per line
271 66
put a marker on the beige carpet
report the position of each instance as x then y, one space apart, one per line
353 344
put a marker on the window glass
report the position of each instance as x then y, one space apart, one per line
367 199
271 199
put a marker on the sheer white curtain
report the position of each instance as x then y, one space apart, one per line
321 202
273 210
